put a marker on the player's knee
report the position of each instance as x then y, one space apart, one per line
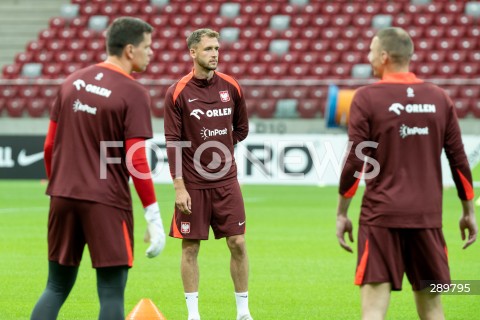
190 250
236 244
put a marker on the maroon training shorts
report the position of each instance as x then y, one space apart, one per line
108 232
385 254
220 207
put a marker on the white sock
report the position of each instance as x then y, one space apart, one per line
192 305
242 303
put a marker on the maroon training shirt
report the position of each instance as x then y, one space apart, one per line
411 121
205 113
98 103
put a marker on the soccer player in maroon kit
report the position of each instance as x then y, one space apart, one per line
205 115
95 141
404 124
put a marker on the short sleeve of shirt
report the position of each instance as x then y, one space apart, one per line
138 122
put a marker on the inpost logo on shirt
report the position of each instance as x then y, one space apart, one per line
207 133
406 131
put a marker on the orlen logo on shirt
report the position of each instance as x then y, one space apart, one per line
207 133
79 84
413 108
415 131
212 113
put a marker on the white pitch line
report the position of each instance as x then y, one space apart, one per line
10 210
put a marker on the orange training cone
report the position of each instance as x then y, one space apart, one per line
145 310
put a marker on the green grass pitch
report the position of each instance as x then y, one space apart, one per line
297 269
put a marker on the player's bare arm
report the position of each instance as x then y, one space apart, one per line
344 225
182 197
468 222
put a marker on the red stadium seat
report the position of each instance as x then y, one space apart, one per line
299 70
456 7
36 107
291 34
158 107
462 107
229 57
210 9
320 71
402 20
456 56
265 108
318 45
475 108
298 92
277 70
446 44
159 22
67 34
256 92
467 44
311 57
435 56
199 21
341 45
129 9
69 68
86 34
330 33
392 8
95 45
300 21
57 23
219 22
468 70
237 70
179 21
447 70
260 21
257 71
28 91
339 70
425 70
350 33
79 23
319 93
167 56
329 57
434 8
108 9
15 107
23 57
75 44
249 8
156 68
11 71
52 70
270 58
425 44
361 45
455 31
277 92
308 108
474 56
434 32
269 34
423 20
418 56
259 45
362 20
320 21
332 8
89 9
473 32
35 45
300 45
310 33
84 56
170 9
353 58
464 20
8 91
469 92
312 9
269 8
368 33
55 45
43 56
341 20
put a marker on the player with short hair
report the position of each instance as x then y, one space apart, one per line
95 142
205 116
407 122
